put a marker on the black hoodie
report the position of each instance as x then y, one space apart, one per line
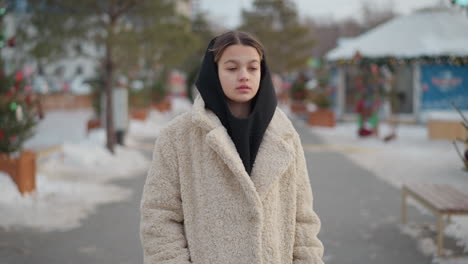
246 133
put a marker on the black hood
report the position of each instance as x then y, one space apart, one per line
246 133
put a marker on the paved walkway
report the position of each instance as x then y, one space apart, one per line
359 213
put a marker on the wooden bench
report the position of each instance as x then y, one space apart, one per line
442 199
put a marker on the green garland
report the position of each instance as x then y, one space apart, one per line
451 60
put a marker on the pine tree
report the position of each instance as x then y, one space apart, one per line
276 23
17 112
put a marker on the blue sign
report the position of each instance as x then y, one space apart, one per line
442 85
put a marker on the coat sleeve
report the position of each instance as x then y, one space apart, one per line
308 249
162 220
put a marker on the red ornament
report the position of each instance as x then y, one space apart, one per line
28 99
11 42
19 76
1 135
9 94
65 87
374 69
364 132
28 88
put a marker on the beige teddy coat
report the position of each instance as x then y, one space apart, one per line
200 206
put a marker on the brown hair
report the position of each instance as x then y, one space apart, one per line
232 38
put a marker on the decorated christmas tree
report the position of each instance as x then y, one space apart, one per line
18 114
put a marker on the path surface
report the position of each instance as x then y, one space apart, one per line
359 213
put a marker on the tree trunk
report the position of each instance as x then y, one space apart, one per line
109 87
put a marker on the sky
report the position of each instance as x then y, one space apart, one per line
227 13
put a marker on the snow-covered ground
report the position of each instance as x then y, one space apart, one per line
75 170
411 157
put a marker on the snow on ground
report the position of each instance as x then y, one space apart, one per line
58 126
71 183
76 176
151 127
57 205
412 157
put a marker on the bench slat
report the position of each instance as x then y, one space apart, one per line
448 195
459 200
428 194
442 196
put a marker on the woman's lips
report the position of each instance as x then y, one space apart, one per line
243 88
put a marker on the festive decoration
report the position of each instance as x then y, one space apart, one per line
11 42
17 120
13 106
298 89
451 60
368 84
19 76
18 114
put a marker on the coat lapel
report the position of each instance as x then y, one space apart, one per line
219 140
273 158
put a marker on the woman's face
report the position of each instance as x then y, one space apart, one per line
239 72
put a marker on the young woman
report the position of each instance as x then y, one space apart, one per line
228 182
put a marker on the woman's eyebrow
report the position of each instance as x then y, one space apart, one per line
236 61
232 61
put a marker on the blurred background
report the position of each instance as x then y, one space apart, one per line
378 91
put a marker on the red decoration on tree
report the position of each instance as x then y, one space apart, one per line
28 99
19 76
11 42
28 88
1 135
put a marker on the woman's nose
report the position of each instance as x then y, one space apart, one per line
243 76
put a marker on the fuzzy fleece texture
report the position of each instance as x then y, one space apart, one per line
200 206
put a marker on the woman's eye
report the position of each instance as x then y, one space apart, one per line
253 68
231 69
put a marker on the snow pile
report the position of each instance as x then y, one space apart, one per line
150 128
71 183
411 157
419 159
57 205
89 160
58 126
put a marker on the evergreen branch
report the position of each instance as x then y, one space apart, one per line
458 151
125 6
461 114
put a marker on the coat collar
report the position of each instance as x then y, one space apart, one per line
274 155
